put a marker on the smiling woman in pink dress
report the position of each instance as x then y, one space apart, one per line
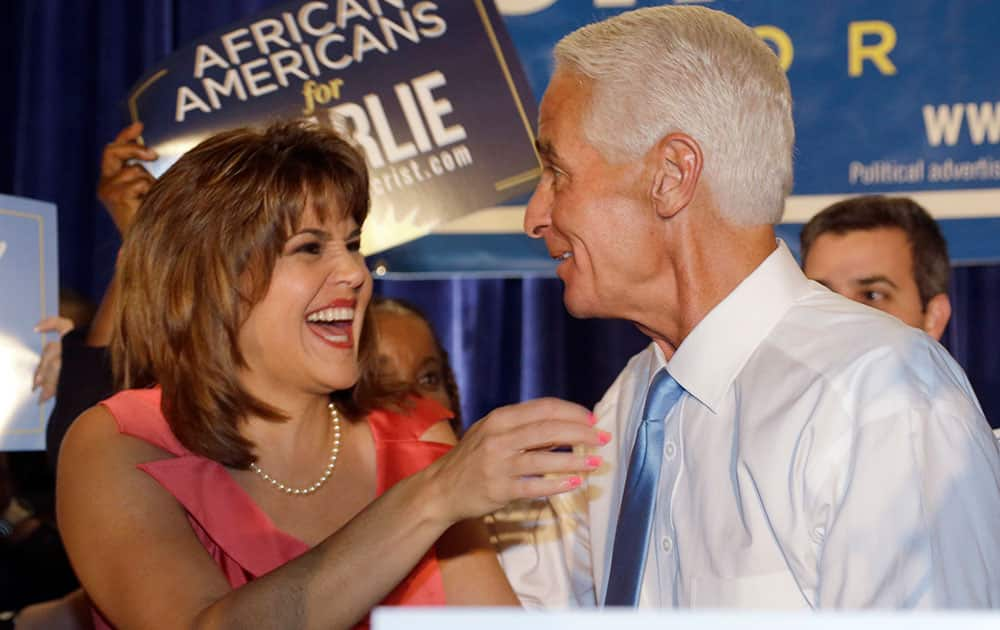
251 473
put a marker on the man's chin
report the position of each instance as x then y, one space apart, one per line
580 307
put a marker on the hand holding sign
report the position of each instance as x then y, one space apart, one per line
123 182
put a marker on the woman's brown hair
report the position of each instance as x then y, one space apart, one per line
200 254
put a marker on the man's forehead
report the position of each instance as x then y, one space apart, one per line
885 240
863 252
565 91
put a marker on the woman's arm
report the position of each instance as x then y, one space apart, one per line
142 565
470 569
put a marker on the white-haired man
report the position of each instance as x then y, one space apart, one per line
776 445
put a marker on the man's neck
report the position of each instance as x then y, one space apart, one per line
706 269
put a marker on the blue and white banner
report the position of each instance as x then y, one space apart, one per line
430 91
29 283
890 97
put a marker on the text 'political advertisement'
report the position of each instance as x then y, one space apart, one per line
431 92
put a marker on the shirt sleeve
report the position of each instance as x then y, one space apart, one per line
544 548
913 519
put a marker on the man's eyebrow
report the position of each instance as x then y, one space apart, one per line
355 233
546 150
879 279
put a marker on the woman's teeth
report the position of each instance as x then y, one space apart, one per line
327 315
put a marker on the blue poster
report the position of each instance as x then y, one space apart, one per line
29 282
430 91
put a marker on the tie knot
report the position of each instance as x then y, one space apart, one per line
663 393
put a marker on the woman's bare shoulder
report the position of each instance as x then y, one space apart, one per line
96 434
120 526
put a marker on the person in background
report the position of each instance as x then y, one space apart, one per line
886 252
34 570
85 375
251 470
777 445
410 356
76 368
33 563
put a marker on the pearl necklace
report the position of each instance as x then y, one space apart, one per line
334 451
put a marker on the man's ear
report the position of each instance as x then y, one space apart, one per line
678 163
936 315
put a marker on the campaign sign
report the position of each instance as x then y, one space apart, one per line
29 282
430 91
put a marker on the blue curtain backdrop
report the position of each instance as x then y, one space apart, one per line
67 66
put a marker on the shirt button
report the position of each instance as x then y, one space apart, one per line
669 450
818 534
667 544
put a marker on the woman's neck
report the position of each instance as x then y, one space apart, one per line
307 422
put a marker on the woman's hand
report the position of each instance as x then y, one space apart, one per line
509 455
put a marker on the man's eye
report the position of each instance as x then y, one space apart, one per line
354 245
873 296
553 173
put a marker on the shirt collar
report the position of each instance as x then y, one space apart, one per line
709 359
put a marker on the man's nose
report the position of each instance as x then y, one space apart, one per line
538 214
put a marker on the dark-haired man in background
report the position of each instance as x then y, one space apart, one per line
886 252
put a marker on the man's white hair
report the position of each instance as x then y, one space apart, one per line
701 72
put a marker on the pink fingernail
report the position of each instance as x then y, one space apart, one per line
593 461
574 482
604 437
591 418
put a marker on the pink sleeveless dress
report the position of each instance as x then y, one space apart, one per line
236 533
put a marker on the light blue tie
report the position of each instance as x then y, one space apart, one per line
635 518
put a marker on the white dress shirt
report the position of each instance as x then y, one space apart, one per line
824 455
